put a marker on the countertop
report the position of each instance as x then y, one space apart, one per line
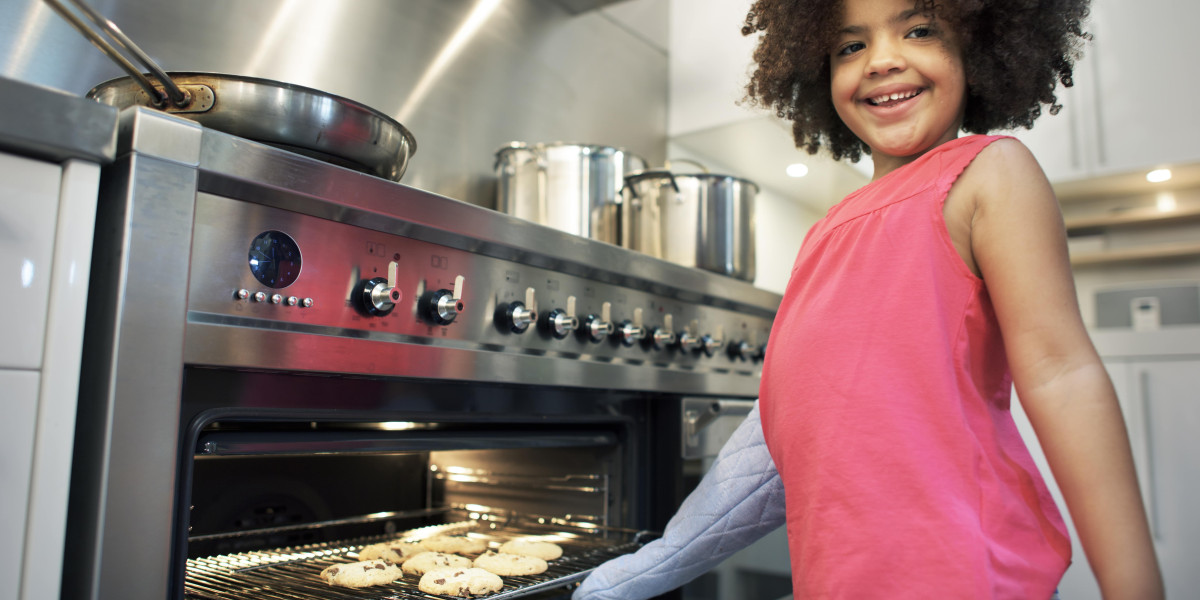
49 124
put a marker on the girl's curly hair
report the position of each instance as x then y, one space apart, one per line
1014 52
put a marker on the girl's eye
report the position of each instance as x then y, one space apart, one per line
850 48
920 31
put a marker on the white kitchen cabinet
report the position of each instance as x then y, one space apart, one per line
1161 403
1145 84
1130 108
1157 379
47 217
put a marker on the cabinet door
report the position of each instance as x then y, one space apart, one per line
1145 83
1059 142
28 211
1166 404
19 403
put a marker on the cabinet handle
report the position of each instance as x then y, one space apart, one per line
1143 377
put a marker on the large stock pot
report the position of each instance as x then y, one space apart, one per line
574 188
701 220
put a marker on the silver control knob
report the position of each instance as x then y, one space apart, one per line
662 337
518 316
276 298
630 334
710 345
560 323
597 327
378 296
688 342
260 296
443 306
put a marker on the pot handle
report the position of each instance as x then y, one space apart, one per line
633 190
174 94
667 164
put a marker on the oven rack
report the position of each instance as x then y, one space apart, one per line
293 573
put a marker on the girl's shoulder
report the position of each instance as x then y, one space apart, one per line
1002 167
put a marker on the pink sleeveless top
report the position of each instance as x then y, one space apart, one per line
885 406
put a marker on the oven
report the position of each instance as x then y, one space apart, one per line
286 360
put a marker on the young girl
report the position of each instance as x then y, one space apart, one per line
912 309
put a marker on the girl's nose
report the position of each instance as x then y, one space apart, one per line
884 58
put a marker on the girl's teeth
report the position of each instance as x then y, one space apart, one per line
889 98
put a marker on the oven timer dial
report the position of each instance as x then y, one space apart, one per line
274 259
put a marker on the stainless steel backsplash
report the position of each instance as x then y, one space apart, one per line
532 70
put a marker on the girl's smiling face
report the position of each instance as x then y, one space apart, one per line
898 80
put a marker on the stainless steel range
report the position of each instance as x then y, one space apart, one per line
285 360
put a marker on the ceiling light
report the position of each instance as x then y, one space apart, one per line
1158 175
797 170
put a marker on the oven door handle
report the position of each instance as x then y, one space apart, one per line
699 413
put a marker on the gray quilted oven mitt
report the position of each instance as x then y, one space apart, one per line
738 501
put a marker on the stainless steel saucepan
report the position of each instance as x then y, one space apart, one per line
293 117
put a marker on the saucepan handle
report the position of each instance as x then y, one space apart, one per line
174 94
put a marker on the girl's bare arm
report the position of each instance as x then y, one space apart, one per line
1018 244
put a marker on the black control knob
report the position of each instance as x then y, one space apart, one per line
710 345
375 297
518 317
689 342
662 337
595 328
560 323
630 333
442 306
741 350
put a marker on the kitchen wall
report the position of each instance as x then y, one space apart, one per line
530 70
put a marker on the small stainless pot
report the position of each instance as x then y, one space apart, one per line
701 220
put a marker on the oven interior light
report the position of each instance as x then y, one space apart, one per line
797 170
397 425
1158 175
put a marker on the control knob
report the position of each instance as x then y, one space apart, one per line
596 328
711 344
560 323
442 306
741 350
662 337
378 296
688 342
517 315
632 332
